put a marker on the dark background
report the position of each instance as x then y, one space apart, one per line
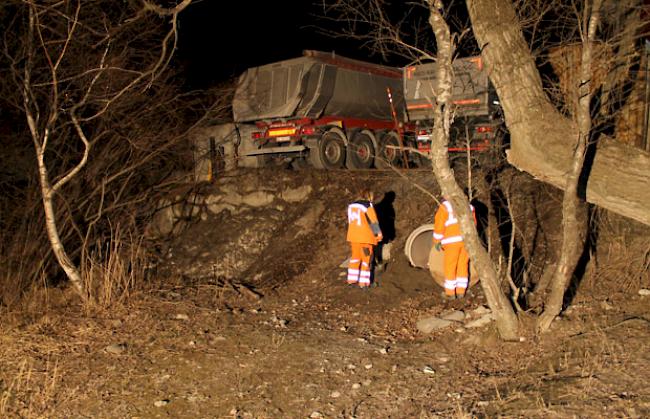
219 39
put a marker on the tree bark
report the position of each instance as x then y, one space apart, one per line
571 229
541 139
506 320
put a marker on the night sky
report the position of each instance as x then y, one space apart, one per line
220 39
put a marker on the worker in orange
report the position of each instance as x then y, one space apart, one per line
448 238
363 234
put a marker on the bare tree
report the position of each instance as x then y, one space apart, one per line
382 35
506 319
81 69
538 129
571 227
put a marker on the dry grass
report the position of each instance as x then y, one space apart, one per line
113 271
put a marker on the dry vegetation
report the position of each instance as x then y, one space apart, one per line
202 346
153 334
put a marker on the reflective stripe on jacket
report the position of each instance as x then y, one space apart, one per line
446 228
363 226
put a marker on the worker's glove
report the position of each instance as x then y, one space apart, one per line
438 246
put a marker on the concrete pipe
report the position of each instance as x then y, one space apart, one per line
418 250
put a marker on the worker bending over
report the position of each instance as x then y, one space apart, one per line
448 238
363 234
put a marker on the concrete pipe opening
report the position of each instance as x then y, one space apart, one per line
420 254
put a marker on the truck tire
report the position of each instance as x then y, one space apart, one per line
361 151
389 154
329 153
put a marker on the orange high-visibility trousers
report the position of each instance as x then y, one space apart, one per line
456 262
359 265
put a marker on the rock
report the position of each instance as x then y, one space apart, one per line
335 395
316 415
116 348
606 306
368 366
644 292
383 351
356 386
296 195
429 324
480 322
161 403
162 222
428 370
480 311
307 222
455 316
217 208
258 199
181 316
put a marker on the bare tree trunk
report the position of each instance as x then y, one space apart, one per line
539 133
571 232
46 54
505 317
70 269
40 139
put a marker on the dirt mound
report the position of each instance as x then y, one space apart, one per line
267 227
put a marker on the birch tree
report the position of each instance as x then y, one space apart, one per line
73 63
506 320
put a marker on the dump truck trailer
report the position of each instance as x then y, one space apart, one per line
322 109
476 107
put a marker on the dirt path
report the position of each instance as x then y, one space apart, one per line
322 351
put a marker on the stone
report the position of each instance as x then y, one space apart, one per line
481 310
428 370
644 292
429 324
455 316
161 403
116 348
220 207
480 322
296 195
258 199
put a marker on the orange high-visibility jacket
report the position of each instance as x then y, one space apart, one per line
446 228
363 226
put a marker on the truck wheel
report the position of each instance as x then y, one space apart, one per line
361 151
330 151
389 153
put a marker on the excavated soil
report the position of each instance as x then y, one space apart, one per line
247 316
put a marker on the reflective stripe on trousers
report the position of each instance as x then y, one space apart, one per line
456 262
359 265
